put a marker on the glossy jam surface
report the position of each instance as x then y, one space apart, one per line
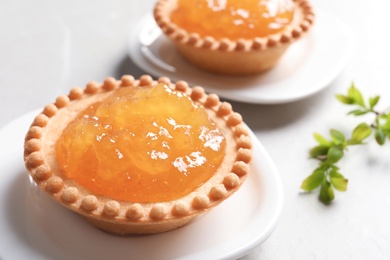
233 19
148 144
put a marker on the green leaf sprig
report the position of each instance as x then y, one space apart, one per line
329 151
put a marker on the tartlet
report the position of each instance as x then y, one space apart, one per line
127 216
225 55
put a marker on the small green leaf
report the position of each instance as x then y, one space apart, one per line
358 112
319 150
338 181
326 192
355 94
335 153
321 140
380 136
373 101
344 99
361 132
337 136
314 180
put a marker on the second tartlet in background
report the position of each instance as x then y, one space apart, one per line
233 37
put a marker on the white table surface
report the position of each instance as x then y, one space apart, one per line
49 46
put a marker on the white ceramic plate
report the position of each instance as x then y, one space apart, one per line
307 67
33 226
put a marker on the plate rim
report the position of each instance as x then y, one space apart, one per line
242 250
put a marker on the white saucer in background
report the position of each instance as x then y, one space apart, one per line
307 67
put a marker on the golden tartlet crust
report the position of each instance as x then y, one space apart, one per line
126 217
241 57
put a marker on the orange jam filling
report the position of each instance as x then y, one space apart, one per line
233 19
145 144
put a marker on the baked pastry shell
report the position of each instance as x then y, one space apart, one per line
241 57
122 217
